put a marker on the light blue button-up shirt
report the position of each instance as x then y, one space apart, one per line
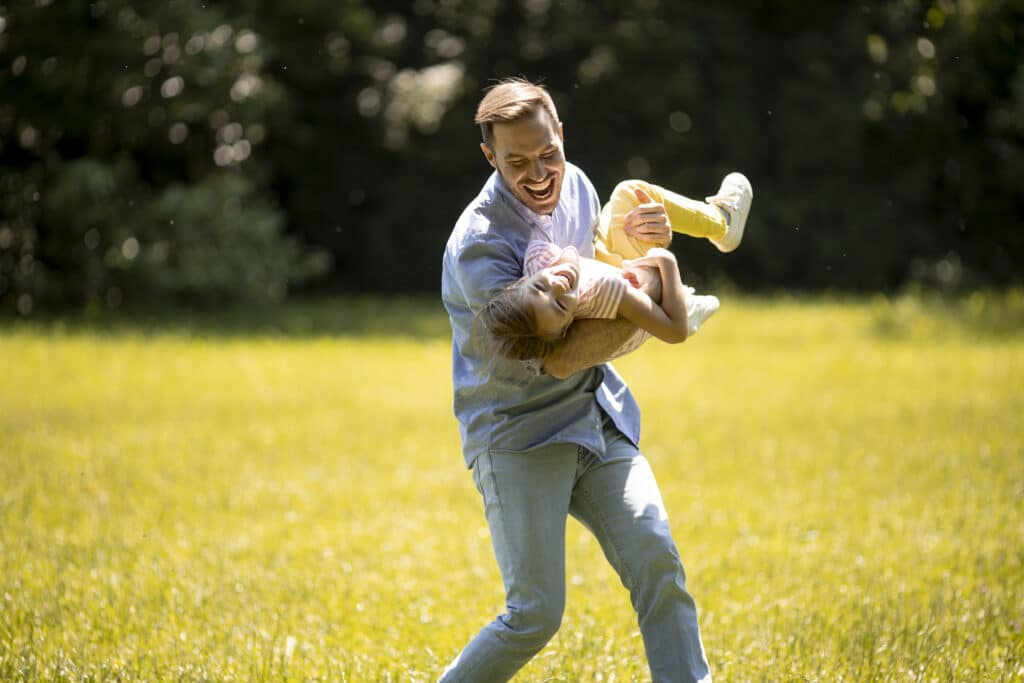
506 405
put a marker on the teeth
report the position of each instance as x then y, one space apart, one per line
541 189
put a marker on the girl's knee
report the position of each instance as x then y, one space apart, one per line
625 191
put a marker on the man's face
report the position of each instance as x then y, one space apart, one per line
528 154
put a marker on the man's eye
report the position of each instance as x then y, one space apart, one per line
561 305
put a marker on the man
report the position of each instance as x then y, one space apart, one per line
544 443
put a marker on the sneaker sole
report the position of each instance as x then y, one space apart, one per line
734 236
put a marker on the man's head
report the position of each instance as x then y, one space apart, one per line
522 140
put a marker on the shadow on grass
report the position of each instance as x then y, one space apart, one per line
410 317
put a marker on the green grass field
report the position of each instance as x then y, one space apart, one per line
282 497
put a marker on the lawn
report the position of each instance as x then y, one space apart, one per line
280 496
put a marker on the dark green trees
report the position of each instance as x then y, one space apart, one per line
207 151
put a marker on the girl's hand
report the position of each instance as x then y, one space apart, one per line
645 278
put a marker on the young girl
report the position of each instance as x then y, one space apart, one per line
528 318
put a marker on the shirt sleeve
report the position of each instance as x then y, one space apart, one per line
606 297
631 344
482 269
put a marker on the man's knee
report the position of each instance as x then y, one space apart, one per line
658 558
535 624
664 561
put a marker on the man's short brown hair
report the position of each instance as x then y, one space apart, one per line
511 99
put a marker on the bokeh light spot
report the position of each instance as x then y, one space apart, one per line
177 133
131 96
172 87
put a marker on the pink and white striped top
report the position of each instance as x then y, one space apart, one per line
601 285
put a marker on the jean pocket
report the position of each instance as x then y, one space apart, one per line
482 472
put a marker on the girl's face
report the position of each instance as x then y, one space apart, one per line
552 295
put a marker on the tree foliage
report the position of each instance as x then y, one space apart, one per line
126 165
208 151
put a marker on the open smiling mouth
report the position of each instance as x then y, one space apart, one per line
568 275
541 192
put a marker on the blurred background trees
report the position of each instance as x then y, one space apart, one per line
202 152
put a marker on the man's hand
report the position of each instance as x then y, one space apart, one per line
648 222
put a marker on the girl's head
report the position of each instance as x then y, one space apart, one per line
529 318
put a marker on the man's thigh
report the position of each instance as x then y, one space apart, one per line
526 502
618 499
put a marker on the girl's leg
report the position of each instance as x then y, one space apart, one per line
688 217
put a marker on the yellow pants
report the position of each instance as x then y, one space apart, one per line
687 216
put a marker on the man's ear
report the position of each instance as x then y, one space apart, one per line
489 155
561 133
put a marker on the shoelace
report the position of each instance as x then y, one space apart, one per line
730 201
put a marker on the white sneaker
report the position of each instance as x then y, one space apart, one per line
699 307
734 198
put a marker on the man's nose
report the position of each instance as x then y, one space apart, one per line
536 170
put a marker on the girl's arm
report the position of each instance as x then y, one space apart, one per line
666 321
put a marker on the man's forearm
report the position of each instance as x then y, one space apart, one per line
588 343
592 342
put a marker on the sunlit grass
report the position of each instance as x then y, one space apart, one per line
256 500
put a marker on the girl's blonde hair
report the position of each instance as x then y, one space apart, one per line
511 328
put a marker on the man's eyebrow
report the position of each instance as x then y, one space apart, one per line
545 148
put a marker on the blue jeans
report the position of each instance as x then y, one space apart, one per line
527 500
